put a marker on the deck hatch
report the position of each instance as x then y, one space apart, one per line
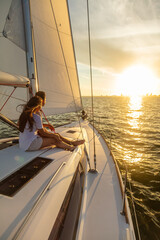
71 131
13 183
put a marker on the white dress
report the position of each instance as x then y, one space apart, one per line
27 136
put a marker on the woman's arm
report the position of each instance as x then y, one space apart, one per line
41 131
49 126
44 133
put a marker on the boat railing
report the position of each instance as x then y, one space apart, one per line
99 123
124 195
46 188
11 139
7 142
123 185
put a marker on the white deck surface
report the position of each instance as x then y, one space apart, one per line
100 216
14 159
14 209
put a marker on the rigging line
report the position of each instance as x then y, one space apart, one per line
47 120
134 209
4 94
53 91
90 59
69 75
38 19
7 99
50 60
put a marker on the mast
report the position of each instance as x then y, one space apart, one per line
31 58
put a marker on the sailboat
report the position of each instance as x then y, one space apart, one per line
53 193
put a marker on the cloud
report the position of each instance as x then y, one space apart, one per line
104 55
123 33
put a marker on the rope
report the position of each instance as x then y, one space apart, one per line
90 59
7 99
47 121
3 94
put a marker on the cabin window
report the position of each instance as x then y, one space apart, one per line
12 184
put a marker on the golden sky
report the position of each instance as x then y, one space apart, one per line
124 35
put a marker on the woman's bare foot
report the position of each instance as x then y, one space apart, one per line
72 148
78 142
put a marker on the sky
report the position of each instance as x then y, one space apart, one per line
124 33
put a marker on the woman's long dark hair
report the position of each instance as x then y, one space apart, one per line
26 115
41 94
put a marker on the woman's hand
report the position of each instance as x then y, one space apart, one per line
49 126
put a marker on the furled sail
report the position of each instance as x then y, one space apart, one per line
13 80
12 56
55 59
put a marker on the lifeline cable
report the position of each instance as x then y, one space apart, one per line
7 99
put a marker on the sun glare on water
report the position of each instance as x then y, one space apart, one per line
137 80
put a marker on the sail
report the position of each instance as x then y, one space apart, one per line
55 60
13 56
13 80
14 27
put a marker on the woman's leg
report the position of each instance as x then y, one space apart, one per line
58 143
74 143
64 139
48 142
58 137
78 142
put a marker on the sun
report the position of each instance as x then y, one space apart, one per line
137 80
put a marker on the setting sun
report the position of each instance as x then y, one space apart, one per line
136 80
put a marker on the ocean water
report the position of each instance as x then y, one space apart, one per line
131 126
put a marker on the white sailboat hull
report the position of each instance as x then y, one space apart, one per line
96 211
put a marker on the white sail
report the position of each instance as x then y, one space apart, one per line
55 60
13 55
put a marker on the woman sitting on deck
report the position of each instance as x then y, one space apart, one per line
33 136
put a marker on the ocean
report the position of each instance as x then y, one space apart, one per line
131 126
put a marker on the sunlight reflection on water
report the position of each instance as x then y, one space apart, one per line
135 106
133 159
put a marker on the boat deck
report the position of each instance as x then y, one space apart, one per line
13 210
102 202
100 216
